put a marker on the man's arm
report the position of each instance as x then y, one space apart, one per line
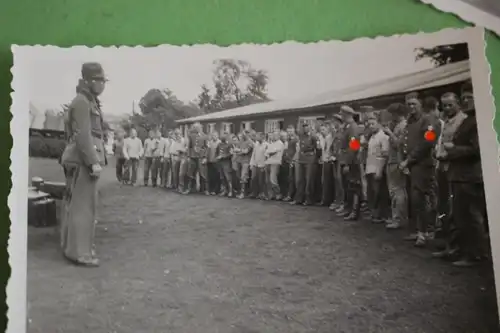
80 110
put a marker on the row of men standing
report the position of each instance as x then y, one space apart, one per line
406 165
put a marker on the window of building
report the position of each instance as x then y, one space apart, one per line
227 128
313 122
246 125
211 127
272 125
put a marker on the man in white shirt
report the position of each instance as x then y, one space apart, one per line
178 150
165 143
132 152
149 145
376 159
274 156
157 155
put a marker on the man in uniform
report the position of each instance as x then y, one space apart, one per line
83 159
337 129
197 159
306 167
243 154
422 133
466 179
289 162
350 165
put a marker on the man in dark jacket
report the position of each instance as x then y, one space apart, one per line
197 145
350 164
422 134
466 179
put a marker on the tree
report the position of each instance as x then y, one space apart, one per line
444 54
236 84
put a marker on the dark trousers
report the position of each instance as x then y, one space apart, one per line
166 172
148 166
304 177
156 170
290 179
378 196
328 183
213 177
225 174
468 215
443 200
195 166
353 187
258 185
178 172
318 183
120 166
130 173
283 178
422 178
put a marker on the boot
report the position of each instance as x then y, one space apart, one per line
354 215
242 192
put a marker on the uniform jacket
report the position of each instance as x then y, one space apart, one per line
396 151
420 150
291 149
464 158
84 131
197 145
347 155
308 146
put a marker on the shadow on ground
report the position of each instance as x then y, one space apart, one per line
191 264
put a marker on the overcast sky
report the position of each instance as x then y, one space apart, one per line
294 69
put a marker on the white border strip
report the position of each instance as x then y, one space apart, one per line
468 13
17 201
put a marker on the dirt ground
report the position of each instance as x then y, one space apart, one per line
195 264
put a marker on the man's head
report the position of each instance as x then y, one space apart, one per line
151 134
373 124
451 104
347 113
413 103
290 130
397 111
260 137
94 78
158 134
170 134
306 128
133 133
177 132
467 97
215 136
324 129
431 104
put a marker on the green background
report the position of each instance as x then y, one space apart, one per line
222 22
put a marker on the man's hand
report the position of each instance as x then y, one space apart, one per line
345 169
387 130
403 165
448 145
204 161
96 171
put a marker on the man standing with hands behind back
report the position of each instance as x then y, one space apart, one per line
82 160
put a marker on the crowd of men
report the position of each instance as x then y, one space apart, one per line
415 166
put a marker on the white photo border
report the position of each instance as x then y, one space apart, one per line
19 156
468 13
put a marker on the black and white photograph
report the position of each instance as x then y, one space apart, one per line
322 187
483 13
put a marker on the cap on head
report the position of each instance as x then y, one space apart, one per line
346 109
397 109
93 71
412 95
337 117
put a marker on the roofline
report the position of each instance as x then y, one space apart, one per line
191 120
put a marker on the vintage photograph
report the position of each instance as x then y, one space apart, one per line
322 187
483 13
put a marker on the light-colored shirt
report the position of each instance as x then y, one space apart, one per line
448 130
377 153
178 146
274 152
259 154
158 148
165 147
132 148
326 148
148 147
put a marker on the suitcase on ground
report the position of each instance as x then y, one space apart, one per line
42 210
55 189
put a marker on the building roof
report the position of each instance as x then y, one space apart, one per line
429 78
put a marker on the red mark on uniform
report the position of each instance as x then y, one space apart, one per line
430 135
354 144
